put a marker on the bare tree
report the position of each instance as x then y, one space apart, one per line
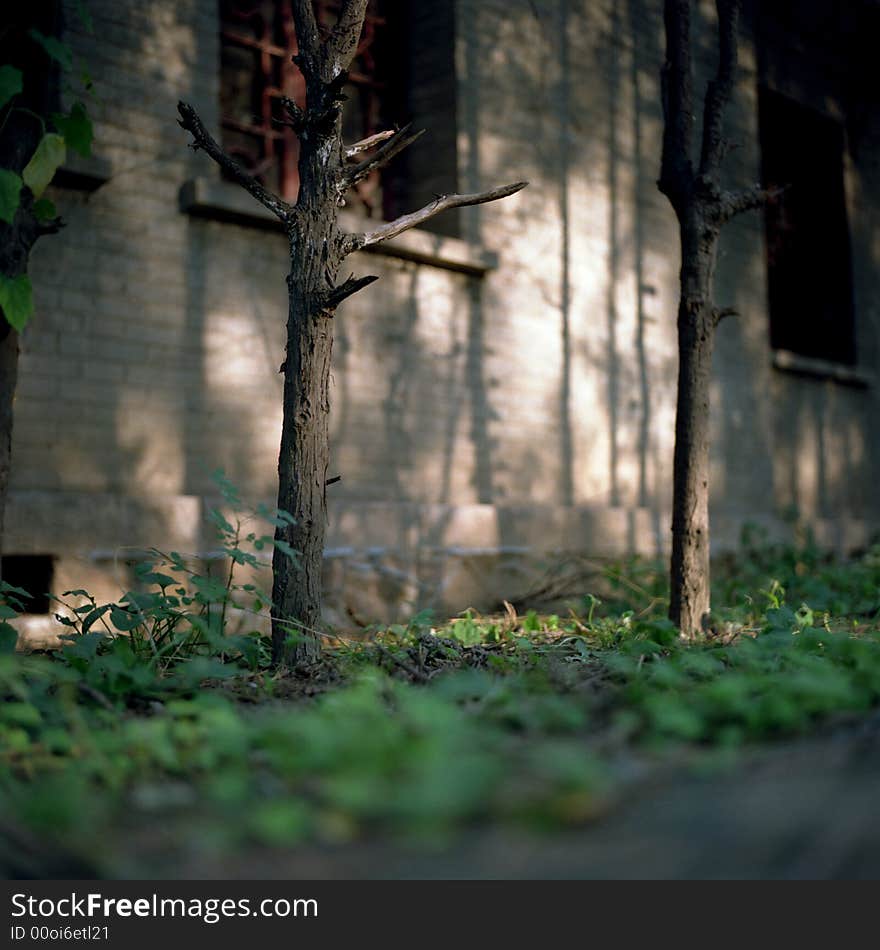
327 169
702 207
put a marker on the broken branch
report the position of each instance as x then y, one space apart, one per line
396 143
297 115
348 287
202 139
370 142
324 105
722 313
733 203
441 203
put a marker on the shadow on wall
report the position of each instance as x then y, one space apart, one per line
793 447
612 371
466 374
549 384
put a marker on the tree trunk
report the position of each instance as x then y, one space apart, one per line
315 258
8 377
702 207
302 474
689 566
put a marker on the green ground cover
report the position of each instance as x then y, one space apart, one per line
153 716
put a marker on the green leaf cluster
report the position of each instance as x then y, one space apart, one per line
72 130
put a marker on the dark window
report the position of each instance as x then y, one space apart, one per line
424 34
809 272
257 41
33 573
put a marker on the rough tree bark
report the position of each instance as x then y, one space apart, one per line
21 132
702 207
327 169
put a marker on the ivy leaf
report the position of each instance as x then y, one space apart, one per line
94 616
40 170
10 193
44 210
10 83
123 620
76 129
157 578
16 299
54 48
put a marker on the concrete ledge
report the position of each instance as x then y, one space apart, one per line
405 528
54 522
89 525
83 174
222 201
383 560
790 362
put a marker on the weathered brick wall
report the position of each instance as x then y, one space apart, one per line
524 412
567 94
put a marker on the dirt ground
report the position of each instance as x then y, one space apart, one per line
805 809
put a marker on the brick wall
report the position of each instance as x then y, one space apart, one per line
475 418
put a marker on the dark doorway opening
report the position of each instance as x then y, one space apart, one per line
33 573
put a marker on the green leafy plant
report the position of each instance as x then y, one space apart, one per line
177 612
12 601
60 131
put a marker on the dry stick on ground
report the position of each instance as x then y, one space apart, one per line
415 675
702 208
317 249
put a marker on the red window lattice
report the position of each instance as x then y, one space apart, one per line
257 39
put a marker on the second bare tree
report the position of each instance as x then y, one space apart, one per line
702 207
